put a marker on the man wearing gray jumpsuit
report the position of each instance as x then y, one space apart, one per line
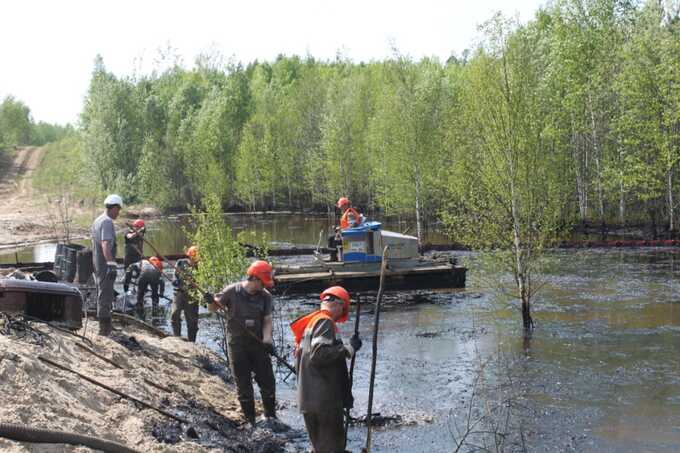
183 300
104 257
249 308
323 380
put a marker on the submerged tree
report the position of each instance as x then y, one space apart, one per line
505 191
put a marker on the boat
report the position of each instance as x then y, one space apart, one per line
359 264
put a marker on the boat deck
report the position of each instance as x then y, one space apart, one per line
407 274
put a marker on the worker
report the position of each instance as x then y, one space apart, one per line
322 376
149 274
183 300
248 306
104 259
134 246
350 216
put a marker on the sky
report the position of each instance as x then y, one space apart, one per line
47 47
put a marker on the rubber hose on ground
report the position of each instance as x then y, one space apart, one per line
23 433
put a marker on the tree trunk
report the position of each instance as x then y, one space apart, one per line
580 165
622 205
419 229
520 264
671 211
597 156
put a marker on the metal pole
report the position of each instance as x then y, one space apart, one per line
376 325
351 366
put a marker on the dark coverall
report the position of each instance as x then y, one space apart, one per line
133 254
182 301
323 385
246 355
148 276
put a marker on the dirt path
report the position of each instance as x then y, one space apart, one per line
23 214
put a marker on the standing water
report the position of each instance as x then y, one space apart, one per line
600 373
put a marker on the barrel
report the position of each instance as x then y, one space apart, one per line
59 261
85 265
70 263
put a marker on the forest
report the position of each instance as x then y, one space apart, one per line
571 118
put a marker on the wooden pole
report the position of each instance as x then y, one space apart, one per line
351 366
376 325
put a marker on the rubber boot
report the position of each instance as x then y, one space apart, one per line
105 327
269 405
140 310
191 333
248 408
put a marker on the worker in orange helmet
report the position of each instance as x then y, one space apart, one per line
183 300
322 376
134 247
350 218
149 274
249 307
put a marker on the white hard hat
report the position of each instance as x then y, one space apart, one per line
113 199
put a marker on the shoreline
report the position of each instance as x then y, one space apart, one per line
188 381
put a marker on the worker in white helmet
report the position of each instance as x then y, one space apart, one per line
104 257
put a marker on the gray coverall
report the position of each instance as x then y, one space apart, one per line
246 355
182 302
323 386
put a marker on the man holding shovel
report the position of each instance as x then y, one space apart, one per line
248 308
323 380
182 302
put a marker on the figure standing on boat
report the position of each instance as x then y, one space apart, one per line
350 218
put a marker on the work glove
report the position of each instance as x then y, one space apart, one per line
268 347
111 270
208 298
355 342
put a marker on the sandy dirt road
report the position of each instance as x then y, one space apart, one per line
24 216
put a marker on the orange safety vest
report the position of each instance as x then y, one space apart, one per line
344 220
307 322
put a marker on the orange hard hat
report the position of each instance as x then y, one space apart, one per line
157 262
263 271
342 294
192 252
343 201
137 224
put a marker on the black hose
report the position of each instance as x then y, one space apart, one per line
23 433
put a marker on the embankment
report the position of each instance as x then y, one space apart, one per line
177 378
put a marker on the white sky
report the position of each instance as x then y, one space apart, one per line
47 47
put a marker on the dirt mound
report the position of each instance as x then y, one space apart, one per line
169 374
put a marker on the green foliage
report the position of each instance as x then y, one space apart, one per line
583 97
222 259
15 122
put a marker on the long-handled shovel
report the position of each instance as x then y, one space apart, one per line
351 365
376 324
193 283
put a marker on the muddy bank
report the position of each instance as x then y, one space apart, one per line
180 380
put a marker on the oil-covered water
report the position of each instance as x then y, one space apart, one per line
601 371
